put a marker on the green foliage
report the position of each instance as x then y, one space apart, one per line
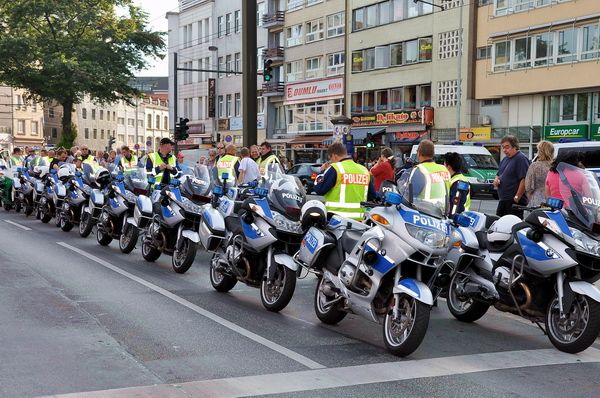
68 136
62 50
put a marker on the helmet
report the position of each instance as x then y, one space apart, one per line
64 173
102 176
41 171
501 230
313 213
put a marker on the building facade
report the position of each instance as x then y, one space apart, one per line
207 35
21 120
537 70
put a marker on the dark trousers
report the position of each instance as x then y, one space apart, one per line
505 207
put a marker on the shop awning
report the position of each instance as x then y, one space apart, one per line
309 139
359 134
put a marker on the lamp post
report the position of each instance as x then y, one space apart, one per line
215 49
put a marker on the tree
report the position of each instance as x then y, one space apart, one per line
61 50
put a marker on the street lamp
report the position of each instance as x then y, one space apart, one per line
215 49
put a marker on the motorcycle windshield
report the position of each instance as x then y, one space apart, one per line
196 181
216 181
88 173
34 161
580 192
425 190
136 180
286 193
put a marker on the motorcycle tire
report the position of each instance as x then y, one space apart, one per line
460 309
128 239
586 336
57 218
45 216
220 282
103 238
18 207
65 224
330 316
150 253
85 225
28 210
419 313
284 283
183 258
7 207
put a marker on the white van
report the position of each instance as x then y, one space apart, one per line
589 149
481 165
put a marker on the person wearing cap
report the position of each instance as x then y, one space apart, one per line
86 156
162 160
30 156
16 160
128 160
229 163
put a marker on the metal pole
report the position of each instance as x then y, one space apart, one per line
218 111
460 51
175 101
249 71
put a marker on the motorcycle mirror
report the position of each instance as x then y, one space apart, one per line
218 190
393 198
248 218
225 176
261 191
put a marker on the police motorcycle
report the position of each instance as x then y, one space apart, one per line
173 229
139 205
195 183
98 179
54 193
253 230
386 269
78 193
542 269
24 188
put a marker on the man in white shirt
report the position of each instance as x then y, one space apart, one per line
248 168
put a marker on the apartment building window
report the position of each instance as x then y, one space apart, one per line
237 104
567 46
157 125
220 26
121 121
504 7
101 114
238 20
141 122
114 115
259 58
381 100
294 71
522 53
356 103
51 112
228 104
484 52
590 42
207 65
238 62
313 2
385 15
397 54
108 115
20 126
166 123
229 64
200 31
131 122
492 102
221 66
34 128
293 5
314 30
543 49
86 133
335 63
54 132
502 56
294 35
388 11
313 68
228 24
568 108
93 114
220 106
260 105
309 117
102 134
368 101
84 113
95 134
336 24
261 9
150 117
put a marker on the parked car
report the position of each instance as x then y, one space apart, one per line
307 173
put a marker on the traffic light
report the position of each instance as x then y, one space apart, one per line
267 70
181 129
369 143
111 142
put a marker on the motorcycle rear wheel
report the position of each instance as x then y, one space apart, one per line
18 207
28 210
65 224
278 294
45 215
403 335
579 330
128 239
150 253
86 224
183 258
330 315
465 310
220 282
102 237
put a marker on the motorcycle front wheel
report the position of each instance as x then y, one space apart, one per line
183 258
86 224
578 329
102 237
464 309
220 282
403 334
276 294
65 224
18 207
128 239
327 312
45 215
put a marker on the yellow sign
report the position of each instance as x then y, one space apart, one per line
476 134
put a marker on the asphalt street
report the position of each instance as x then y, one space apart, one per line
77 318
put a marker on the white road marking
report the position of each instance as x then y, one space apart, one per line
309 363
310 380
18 225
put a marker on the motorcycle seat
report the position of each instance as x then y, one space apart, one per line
349 239
497 247
233 224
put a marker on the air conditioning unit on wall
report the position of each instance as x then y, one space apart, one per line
485 120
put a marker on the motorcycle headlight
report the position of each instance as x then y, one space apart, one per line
429 237
586 243
481 180
285 224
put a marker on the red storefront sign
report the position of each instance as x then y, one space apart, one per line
421 116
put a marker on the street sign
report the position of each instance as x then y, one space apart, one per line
136 146
148 143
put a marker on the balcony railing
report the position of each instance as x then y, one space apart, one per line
273 89
275 54
273 20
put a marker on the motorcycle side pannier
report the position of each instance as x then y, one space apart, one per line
212 228
142 213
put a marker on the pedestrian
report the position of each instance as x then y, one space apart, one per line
383 170
344 184
228 164
212 158
202 161
128 160
112 157
255 153
248 168
180 158
552 184
510 179
457 204
535 180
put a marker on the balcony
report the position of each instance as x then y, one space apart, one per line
273 89
276 20
275 54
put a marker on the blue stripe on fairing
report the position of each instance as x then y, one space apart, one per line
207 218
264 205
250 232
382 264
166 212
558 218
531 249
177 193
411 285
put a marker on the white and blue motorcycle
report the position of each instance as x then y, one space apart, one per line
387 269
542 269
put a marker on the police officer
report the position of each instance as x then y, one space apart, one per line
162 162
425 170
345 184
457 203
228 164
128 159
16 160
267 157
86 156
